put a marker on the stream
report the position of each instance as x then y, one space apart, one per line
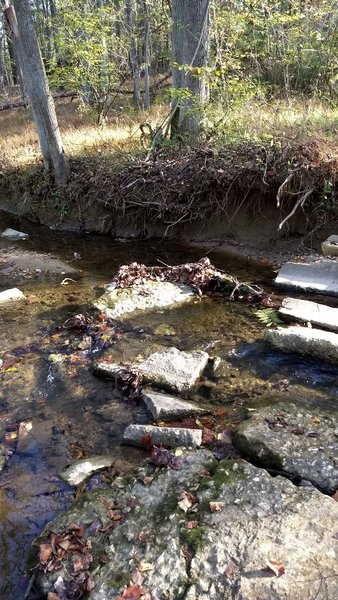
71 414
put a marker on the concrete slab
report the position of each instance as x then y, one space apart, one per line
171 437
320 276
174 370
79 471
318 315
307 341
330 246
165 407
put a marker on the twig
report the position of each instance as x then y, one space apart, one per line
300 202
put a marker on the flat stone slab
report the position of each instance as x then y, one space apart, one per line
174 370
330 246
258 518
320 276
318 315
305 340
79 471
171 437
288 437
163 407
116 303
12 295
13 234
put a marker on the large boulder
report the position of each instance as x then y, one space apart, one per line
205 531
295 439
118 302
304 340
173 369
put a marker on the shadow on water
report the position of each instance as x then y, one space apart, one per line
72 413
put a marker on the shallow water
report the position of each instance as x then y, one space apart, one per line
73 414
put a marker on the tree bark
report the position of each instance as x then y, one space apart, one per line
190 50
133 52
21 23
146 52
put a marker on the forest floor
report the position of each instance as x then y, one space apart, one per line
260 157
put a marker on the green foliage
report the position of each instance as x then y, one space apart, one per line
268 316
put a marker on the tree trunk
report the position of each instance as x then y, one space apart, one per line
133 52
146 52
190 50
36 85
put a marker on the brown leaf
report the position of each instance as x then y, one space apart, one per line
45 552
191 524
216 506
81 562
276 567
220 412
137 577
187 555
104 559
203 473
77 529
52 596
132 592
90 584
186 500
335 496
142 536
231 570
146 441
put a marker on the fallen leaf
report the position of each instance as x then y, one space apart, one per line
77 529
216 506
142 536
186 500
104 559
132 592
187 555
276 567
52 596
231 570
191 524
146 441
315 420
90 584
220 412
137 577
45 552
145 566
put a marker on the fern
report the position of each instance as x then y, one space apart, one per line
268 316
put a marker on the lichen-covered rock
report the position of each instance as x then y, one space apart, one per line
116 303
174 370
209 552
294 439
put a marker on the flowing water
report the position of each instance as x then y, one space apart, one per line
67 413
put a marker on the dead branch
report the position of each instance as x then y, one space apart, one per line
300 202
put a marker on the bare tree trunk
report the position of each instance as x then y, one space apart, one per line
190 50
2 55
146 57
133 52
21 23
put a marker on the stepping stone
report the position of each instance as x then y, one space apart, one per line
330 246
303 340
171 437
109 370
318 315
164 407
116 303
12 295
320 276
13 234
79 471
174 370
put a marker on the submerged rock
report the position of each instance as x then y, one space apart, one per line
12 295
215 544
79 471
290 438
320 276
319 315
171 437
164 407
13 234
304 340
174 370
116 303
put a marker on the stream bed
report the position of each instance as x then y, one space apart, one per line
70 414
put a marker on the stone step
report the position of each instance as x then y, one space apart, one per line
307 341
320 276
319 315
171 437
165 407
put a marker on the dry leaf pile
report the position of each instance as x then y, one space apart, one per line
68 545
